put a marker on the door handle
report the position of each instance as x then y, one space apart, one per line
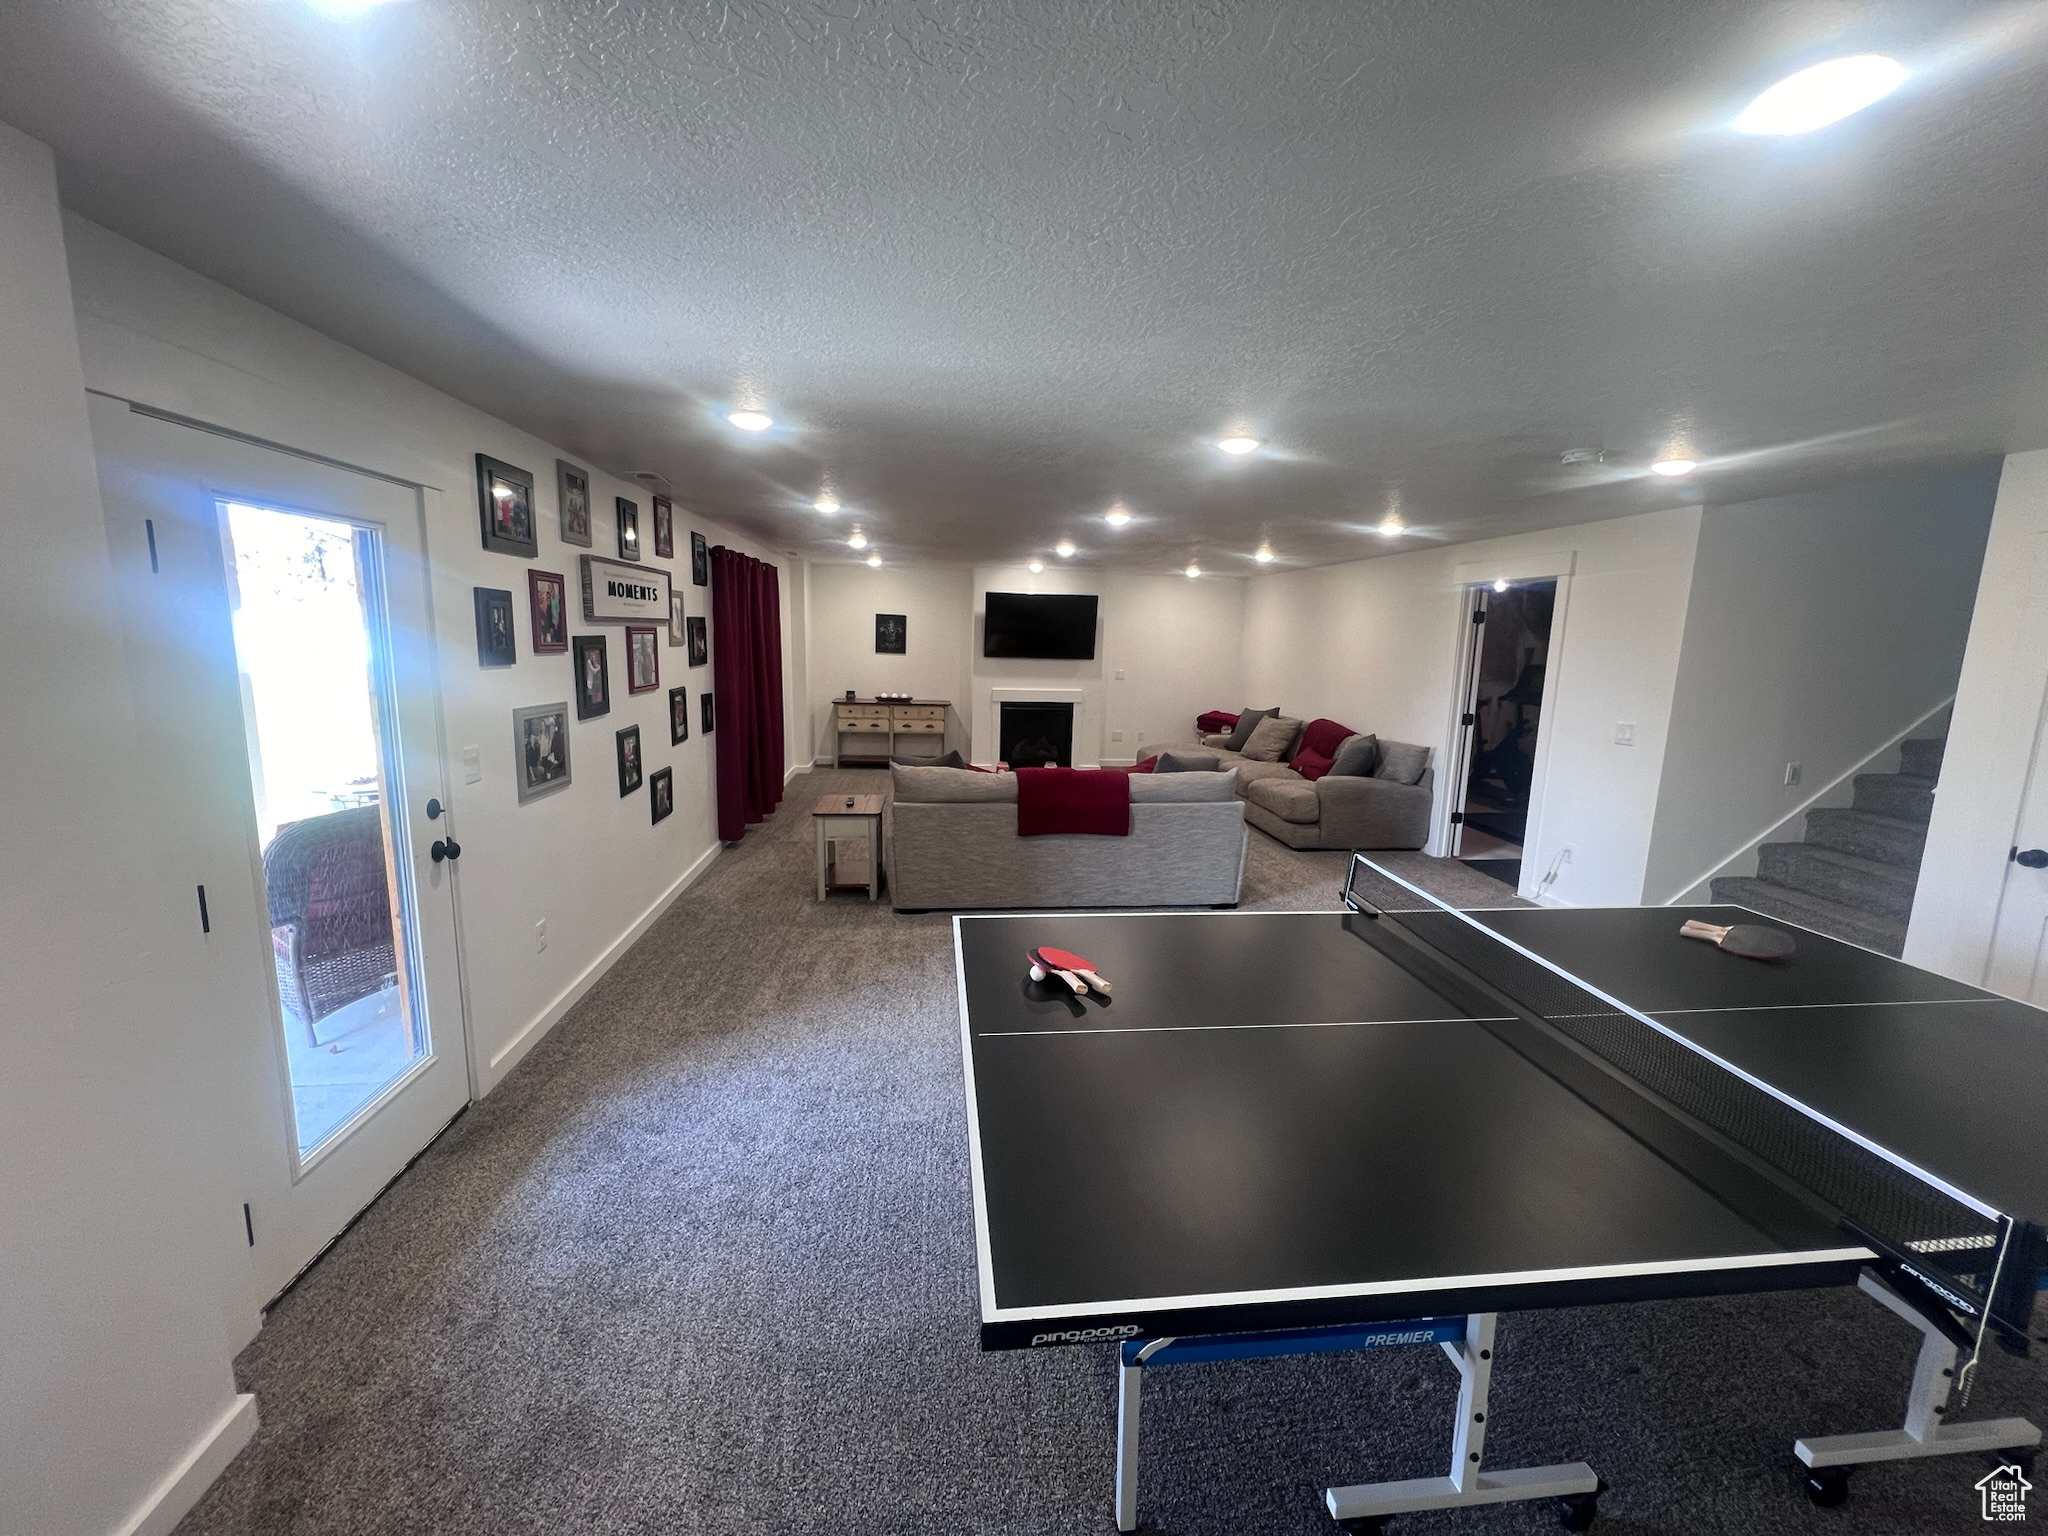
2031 858
445 848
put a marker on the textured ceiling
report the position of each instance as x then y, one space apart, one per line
995 266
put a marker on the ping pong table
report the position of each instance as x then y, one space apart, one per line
1289 1133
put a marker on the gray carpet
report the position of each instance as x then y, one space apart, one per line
705 1263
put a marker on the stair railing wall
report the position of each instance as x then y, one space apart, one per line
1836 792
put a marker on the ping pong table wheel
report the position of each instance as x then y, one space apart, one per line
1366 1525
1827 1486
1578 1511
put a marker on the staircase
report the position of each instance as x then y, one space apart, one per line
1854 874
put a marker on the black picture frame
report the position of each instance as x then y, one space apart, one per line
627 515
547 596
664 527
676 633
593 677
495 644
698 633
643 658
700 560
540 749
678 716
661 794
631 767
572 500
504 499
705 711
892 634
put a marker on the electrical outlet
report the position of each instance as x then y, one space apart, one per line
1116 735
472 766
1624 734
1141 735
540 935
1792 773
1119 674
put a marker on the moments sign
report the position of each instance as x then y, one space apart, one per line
616 592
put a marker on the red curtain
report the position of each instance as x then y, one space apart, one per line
746 684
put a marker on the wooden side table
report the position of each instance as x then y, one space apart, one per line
848 819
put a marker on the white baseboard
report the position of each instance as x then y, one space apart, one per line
571 995
795 769
172 1499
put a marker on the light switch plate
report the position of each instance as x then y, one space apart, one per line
1793 771
1624 735
472 766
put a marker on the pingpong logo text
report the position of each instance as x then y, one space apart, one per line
1087 1335
2004 1494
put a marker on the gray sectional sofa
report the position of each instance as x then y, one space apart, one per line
1330 812
950 841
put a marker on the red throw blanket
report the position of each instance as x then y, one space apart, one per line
1215 720
1096 800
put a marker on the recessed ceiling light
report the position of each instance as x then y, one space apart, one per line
827 503
1239 444
1265 554
344 9
1674 465
875 561
1064 549
858 539
1116 516
1392 526
1500 584
1194 569
751 421
1035 567
1825 93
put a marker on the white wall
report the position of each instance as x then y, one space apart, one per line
116 1402
1375 644
1991 739
1820 628
935 600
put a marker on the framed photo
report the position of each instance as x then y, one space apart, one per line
704 709
661 793
547 594
700 560
664 528
572 494
678 716
494 643
629 760
504 495
643 659
540 749
593 678
629 528
700 641
676 635
892 634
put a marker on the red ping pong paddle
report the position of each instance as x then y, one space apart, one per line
1040 969
1750 940
1081 966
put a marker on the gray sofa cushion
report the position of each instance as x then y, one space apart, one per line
1356 757
1290 797
939 786
1400 762
1247 722
1182 788
1272 739
1174 762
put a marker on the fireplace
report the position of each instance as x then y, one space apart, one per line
1036 735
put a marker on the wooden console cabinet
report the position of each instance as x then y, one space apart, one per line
883 721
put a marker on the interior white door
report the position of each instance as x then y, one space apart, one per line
2018 966
348 1053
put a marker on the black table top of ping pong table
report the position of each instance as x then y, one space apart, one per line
1275 1124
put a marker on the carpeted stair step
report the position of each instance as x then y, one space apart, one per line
1884 934
1886 839
1895 794
1922 759
1882 890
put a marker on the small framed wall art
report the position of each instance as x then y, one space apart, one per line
661 794
892 634
664 528
593 678
704 711
678 716
572 494
675 618
629 760
700 641
547 595
540 749
628 514
504 494
700 560
494 643
643 659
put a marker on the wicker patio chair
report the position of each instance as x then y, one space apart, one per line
330 912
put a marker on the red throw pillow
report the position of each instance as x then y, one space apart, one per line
1311 765
1321 738
1147 765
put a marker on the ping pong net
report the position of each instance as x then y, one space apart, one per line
1968 1268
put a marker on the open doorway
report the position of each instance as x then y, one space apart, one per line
1503 712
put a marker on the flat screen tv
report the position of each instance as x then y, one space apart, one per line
1048 626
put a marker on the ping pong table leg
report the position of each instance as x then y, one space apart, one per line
1830 1458
1364 1506
1130 1383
